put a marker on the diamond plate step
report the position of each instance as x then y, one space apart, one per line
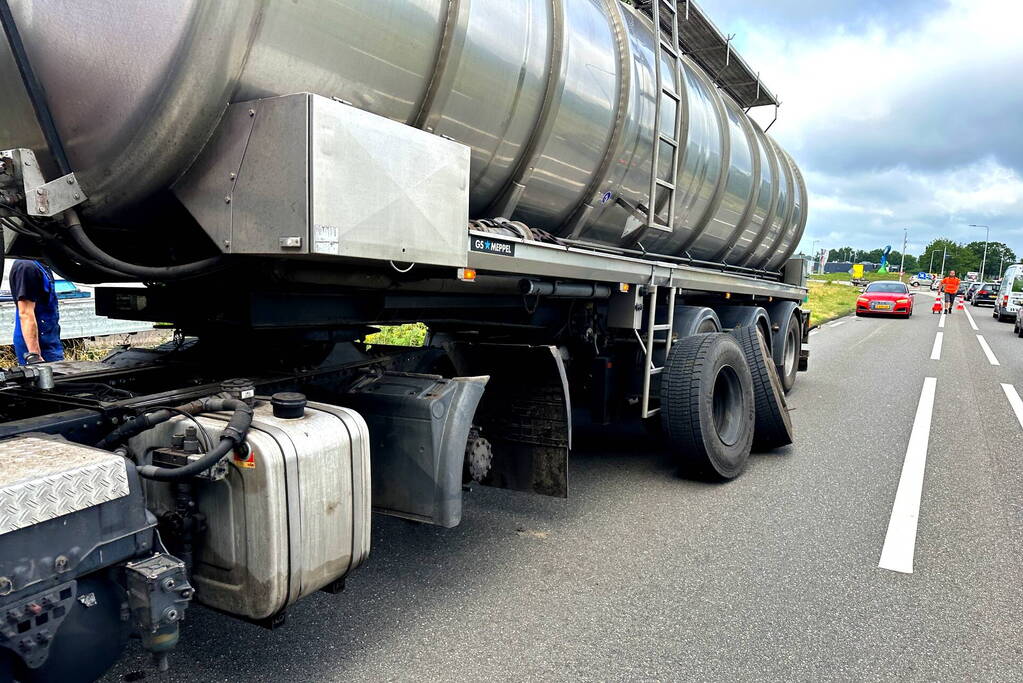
42 479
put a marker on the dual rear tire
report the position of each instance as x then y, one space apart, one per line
721 397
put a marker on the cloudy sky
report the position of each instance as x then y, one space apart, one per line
901 113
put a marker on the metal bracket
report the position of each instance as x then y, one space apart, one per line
41 198
775 116
54 197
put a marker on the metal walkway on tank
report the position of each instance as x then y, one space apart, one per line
712 50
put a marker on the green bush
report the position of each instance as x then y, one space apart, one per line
409 334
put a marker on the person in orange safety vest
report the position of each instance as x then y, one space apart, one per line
950 285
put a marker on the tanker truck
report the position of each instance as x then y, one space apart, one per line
568 193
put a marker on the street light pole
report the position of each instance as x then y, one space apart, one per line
944 252
987 235
813 250
930 268
902 266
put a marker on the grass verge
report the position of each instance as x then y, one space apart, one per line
409 334
828 301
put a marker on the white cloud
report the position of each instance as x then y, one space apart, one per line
898 125
985 189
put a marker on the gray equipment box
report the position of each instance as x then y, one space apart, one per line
307 175
289 520
625 309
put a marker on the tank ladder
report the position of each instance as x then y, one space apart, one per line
665 42
649 341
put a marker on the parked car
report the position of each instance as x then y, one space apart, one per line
1010 294
65 290
921 282
888 297
974 286
985 294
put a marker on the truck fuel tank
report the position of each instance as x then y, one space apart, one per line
292 514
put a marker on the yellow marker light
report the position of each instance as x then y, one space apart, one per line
467 274
624 287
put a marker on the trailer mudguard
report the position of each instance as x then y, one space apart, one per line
525 414
747 316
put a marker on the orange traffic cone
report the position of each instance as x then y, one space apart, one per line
959 304
936 308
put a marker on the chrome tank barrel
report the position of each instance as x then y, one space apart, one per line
555 98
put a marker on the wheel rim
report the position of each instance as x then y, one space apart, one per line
791 342
727 405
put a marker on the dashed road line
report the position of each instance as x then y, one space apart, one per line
936 349
900 540
970 318
941 320
1014 401
987 350
837 323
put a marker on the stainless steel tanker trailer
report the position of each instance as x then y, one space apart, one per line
568 193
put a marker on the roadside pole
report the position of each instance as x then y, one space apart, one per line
987 238
943 253
902 265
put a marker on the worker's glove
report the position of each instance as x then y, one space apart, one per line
33 358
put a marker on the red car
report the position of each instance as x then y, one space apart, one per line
885 298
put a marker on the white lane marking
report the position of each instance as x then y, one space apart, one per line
936 349
836 324
941 320
987 350
900 541
1015 401
815 330
970 318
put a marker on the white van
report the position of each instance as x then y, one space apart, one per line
1010 293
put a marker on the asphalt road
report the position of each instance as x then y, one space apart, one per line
644 575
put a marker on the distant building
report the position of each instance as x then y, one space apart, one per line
846 266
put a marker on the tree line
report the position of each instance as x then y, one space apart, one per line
962 258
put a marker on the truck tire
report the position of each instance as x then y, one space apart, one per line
788 344
707 408
772 427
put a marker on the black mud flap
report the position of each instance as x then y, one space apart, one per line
525 413
418 425
804 353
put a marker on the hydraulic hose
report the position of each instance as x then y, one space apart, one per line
230 436
89 250
52 240
145 422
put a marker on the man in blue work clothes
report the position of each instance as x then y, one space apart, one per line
37 325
